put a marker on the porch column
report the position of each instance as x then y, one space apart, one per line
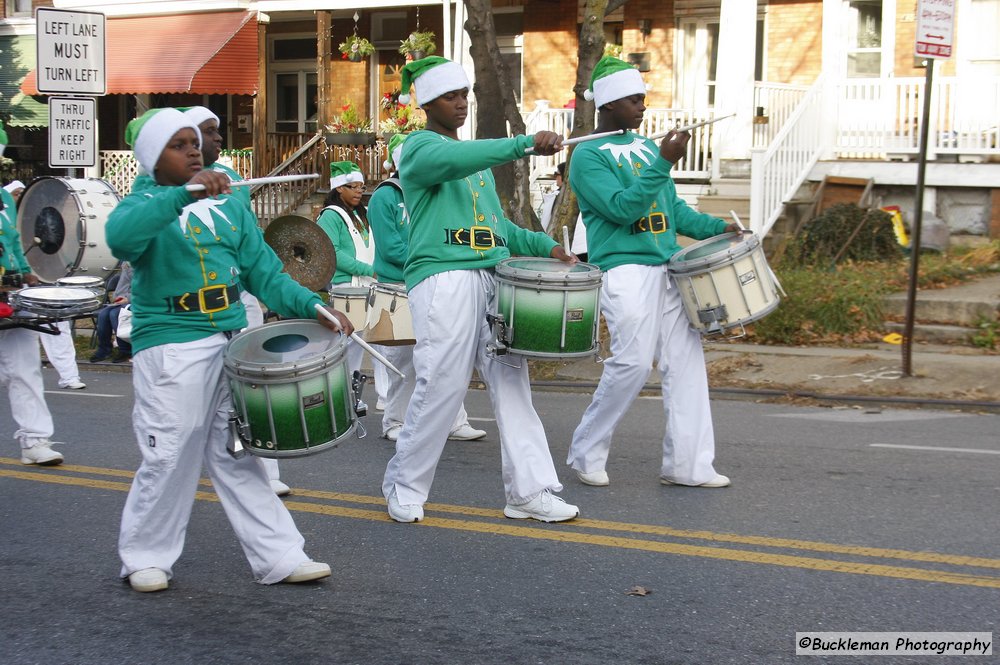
260 158
735 78
834 68
323 47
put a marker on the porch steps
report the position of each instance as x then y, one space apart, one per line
949 316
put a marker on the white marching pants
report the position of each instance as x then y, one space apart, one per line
645 316
180 418
21 371
449 321
61 352
400 390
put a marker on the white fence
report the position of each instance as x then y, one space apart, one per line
773 104
880 118
697 163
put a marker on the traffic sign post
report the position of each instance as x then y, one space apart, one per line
934 39
72 132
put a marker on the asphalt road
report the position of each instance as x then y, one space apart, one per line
837 520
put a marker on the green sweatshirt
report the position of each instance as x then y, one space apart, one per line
630 204
387 216
170 262
10 239
348 264
456 220
240 193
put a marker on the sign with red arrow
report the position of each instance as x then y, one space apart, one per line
935 28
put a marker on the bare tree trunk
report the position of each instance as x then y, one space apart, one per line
589 51
496 109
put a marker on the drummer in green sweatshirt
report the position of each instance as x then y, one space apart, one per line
632 215
458 233
191 252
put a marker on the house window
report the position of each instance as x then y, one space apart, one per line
864 38
510 39
295 102
983 47
18 7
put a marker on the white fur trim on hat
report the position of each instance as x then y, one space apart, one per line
200 114
346 179
13 186
438 80
615 86
156 133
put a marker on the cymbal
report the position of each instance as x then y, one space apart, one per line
305 250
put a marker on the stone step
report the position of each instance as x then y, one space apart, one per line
935 333
963 305
730 187
721 205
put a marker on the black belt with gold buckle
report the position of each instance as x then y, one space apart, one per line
207 300
480 238
655 223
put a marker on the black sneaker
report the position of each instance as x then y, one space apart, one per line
98 357
122 358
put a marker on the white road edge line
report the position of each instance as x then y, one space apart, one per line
981 451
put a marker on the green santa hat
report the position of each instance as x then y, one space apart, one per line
343 173
432 77
613 79
395 152
149 134
3 139
199 114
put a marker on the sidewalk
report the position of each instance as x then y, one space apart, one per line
964 375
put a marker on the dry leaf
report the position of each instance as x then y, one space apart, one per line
638 591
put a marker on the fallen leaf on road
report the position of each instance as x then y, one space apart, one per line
638 591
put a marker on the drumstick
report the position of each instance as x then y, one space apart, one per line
566 239
259 181
687 128
357 338
736 218
581 139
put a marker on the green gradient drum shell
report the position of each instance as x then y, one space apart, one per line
725 282
290 388
551 309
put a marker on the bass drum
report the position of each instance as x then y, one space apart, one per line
61 221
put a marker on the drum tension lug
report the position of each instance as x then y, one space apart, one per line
358 381
238 434
499 346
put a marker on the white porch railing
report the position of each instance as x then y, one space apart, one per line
773 103
696 165
778 171
880 118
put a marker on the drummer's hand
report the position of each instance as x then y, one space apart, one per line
547 143
559 252
215 183
345 324
673 147
733 227
30 278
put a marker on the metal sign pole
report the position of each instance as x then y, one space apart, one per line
918 218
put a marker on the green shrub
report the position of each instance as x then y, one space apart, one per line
845 232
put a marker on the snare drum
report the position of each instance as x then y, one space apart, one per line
353 302
62 221
547 308
291 392
95 284
725 282
56 303
389 320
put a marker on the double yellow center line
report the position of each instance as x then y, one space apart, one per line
851 559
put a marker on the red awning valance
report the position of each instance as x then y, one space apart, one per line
211 53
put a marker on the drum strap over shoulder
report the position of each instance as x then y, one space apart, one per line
392 182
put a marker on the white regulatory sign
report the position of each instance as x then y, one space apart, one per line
72 132
70 52
935 28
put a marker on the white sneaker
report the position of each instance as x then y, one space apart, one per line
466 433
280 488
76 384
307 572
594 478
719 481
380 404
546 507
393 433
411 512
148 579
41 454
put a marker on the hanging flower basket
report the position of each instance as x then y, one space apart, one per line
418 45
356 48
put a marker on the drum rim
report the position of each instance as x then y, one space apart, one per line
349 291
23 295
395 288
507 271
750 242
304 368
278 453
